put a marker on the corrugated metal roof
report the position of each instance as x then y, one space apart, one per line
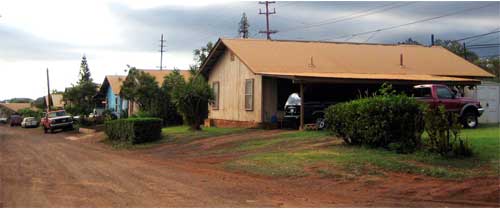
361 60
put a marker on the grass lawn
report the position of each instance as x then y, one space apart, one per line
182 134
339 160
178 134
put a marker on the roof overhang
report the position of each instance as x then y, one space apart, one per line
371 78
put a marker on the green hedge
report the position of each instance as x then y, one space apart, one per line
134 130
390 121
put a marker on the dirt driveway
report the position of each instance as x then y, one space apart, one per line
63 170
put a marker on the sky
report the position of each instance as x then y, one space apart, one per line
55 34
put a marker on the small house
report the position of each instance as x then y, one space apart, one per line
252 78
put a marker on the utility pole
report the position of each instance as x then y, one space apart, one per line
162 45
49 97
465 52
268 32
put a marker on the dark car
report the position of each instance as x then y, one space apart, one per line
15 120
313 111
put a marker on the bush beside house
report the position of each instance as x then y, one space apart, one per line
389 121
397 122
134 130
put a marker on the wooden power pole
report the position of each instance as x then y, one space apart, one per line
162 46
268 32
49 97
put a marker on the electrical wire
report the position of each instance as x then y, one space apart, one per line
415 22
364 13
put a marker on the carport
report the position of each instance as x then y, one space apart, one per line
336 88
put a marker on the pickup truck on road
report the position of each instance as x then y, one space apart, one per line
436 95
57 120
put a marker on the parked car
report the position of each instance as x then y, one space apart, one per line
29 122
313 111
15 120
57 120
3 120
435 95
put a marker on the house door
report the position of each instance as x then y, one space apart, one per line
489 96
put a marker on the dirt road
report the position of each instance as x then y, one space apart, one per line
61 170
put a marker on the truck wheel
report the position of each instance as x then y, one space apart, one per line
469 120
51 130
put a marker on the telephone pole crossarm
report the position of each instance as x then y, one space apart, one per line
268 31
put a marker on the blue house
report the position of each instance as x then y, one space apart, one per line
110 88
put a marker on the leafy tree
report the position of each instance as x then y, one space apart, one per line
26 112
200 55
81 95
191 98
410 41
457 48
141 88
491 65
244 26
167 109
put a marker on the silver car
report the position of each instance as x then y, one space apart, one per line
29 122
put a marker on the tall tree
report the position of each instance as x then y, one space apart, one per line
84 71
81 95
244 26
200 55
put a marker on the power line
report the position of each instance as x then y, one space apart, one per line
363 13
494 38
480 35
414 22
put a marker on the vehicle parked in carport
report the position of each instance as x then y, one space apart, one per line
433 94
313 111
29 122
436 95
57 120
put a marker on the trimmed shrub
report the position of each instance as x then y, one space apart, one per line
390 121
134 130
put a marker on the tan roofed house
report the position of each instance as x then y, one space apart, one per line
6 109
246 73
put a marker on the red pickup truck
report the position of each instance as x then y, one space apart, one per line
436 95
57 120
